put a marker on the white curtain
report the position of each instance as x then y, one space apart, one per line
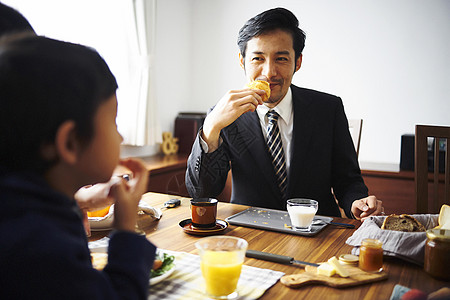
137 117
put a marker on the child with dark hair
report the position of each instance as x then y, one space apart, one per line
12 21
57 134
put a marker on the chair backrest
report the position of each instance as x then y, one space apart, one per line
355 127
439 195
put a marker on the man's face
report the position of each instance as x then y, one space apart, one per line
271 57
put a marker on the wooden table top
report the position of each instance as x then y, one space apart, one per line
167 234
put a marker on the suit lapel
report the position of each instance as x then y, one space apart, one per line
256 146
301 135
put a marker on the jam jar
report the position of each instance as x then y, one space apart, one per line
437 254
371 255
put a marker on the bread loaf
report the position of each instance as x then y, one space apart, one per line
402 222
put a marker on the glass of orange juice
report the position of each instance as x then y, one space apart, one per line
221 259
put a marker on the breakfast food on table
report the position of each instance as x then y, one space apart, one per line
261 85
444 217
371 255
331 267
163 263
340 269
99 213
326 269
99 260
312 275
349 259
402 222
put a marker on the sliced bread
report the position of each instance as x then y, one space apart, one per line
402 222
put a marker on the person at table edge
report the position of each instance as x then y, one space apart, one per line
320 156
58 133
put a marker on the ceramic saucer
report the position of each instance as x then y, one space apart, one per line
221 225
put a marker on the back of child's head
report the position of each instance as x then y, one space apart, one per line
43 83
12 21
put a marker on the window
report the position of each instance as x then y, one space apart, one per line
122 31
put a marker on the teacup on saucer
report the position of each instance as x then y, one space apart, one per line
188 228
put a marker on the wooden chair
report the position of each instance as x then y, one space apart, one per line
355 127
431 202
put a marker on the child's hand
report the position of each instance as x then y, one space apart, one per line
127 194
95 197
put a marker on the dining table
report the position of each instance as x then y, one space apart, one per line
166 233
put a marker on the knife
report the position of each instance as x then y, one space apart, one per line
281 259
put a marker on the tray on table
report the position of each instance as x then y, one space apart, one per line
274 220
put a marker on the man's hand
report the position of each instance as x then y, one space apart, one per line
234 104
366 207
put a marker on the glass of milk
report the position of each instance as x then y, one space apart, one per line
302 212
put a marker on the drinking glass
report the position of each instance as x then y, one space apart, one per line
302 212
221 263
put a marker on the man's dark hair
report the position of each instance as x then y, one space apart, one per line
276 18
12 21
43 83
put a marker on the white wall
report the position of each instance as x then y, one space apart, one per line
388 60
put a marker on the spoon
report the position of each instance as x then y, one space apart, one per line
323 222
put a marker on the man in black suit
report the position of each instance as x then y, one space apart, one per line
317 153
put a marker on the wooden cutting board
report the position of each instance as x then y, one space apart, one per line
310 276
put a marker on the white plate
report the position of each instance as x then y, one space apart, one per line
102 223
106 222
160 278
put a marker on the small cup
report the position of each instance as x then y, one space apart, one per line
302 212
204 212
221 259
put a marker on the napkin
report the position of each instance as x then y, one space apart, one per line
155 213
408 246
186 282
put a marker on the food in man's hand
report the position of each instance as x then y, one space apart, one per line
99 213
261 85
444 217
402 222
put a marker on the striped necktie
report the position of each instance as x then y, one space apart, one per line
276 150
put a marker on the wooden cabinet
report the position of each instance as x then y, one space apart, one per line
167 173
397 189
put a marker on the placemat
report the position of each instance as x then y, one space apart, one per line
186 282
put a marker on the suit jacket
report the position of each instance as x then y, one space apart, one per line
323 158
